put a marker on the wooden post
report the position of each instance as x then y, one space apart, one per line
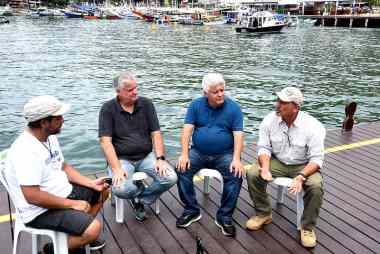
336 21
366 23
351 19
323 21
348 122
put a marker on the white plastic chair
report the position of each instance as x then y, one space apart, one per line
59 239
284 182
206 173
119 202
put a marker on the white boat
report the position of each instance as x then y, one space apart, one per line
6 11
3 20
292 21
260 22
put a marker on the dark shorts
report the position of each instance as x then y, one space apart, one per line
69 221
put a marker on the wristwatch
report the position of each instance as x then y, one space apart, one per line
303 176
160 158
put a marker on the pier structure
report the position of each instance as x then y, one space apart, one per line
370 21
349 220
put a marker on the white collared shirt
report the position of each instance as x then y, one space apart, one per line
302 143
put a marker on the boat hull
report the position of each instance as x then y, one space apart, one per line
269 29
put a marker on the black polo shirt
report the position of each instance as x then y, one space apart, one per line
130 132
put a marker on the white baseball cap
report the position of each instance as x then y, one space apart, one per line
291 94
43 106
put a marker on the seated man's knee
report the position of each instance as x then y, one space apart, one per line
314 184
253 173
125 191
172 178
92 232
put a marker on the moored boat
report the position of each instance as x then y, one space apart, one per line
3 20
260 22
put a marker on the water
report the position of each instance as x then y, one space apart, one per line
76 60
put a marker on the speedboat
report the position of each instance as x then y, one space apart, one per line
3 20
260 22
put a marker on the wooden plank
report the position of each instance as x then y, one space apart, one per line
242 243
196 229
183 237
345 172
271 237
121 238
349 241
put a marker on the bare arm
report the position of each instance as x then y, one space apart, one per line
75 177
183 161
35 196
159 148
236 165
264 166
309 169
113 161
158 143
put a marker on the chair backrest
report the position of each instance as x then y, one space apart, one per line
3 157
4 182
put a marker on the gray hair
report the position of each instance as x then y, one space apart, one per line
118 81
212 79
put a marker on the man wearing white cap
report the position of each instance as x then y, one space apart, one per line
47 192
291 144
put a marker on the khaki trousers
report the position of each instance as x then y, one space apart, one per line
312 188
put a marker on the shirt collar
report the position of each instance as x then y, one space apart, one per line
138 105
217 108
296 122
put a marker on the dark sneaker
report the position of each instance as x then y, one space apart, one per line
48 248
97 244
228 229
139 210
186 219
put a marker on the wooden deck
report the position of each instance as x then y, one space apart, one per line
349 219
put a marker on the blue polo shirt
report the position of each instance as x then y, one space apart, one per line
213 127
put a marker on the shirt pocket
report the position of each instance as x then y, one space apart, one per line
299 150
276 143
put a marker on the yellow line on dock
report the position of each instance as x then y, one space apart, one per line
353 145
5 217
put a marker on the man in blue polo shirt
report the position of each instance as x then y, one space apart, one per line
215 124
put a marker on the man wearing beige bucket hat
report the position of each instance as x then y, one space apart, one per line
291 144
49 193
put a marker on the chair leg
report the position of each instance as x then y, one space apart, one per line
300 207
119 210
61 244
35 243
280 194
157 206
87 247
206 185
16 235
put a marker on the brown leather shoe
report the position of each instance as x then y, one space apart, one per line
308 238
256 222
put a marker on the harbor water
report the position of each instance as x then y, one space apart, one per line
75 60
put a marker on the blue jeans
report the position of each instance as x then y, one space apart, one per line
148 195
231 186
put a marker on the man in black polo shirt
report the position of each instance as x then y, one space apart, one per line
128 129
